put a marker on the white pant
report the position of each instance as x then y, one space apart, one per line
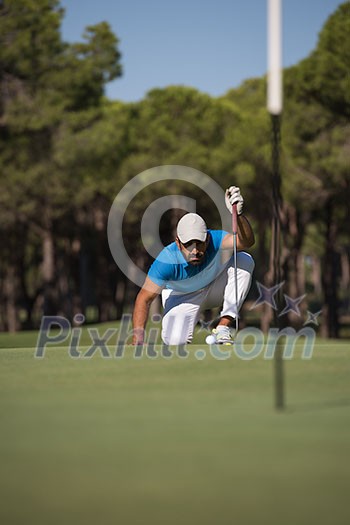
181 311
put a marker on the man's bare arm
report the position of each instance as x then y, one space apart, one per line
144 299
245 237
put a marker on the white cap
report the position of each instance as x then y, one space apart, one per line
191 227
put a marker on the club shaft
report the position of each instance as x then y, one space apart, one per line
235 233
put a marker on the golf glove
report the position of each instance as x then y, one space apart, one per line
233 196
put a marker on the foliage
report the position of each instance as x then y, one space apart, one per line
66 151
325 73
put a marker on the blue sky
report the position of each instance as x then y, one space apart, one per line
212 45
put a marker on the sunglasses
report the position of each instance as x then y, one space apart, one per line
199 244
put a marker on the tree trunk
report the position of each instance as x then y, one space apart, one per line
316 275
330 325
345 270
300 277
266 319
262 251
65 306
48 273
120 295
10 299
275 272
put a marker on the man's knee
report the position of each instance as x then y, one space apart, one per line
176 330
174 339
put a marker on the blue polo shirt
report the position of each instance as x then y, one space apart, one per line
171 270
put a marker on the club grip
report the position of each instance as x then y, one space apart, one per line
234 218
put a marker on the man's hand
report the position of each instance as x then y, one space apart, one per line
138 336
233 196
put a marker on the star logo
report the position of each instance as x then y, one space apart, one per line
292 305
312 318
203 325
267 295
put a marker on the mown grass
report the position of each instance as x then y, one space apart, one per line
172 440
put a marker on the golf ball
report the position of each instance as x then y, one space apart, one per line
210 339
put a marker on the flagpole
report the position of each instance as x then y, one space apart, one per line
274 107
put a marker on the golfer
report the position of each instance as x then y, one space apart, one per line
195 273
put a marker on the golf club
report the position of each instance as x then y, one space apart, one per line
234 231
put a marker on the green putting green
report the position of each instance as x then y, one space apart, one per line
172 441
